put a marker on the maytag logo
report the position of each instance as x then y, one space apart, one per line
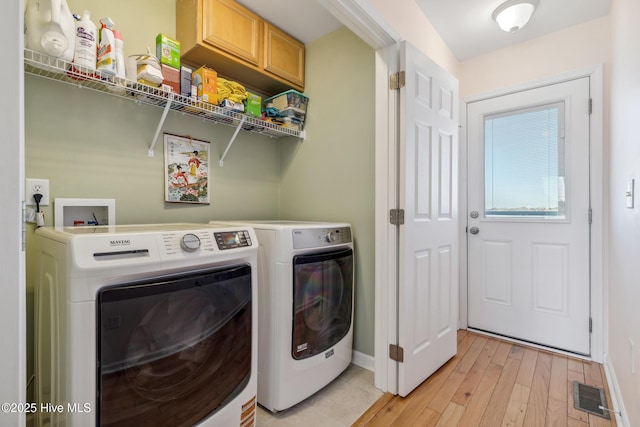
126 242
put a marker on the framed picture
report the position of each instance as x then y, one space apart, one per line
186 164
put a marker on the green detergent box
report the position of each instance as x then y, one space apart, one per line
254 104
168 51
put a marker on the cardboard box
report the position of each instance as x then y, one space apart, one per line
254 104
206 80
185 81
168 51
171 77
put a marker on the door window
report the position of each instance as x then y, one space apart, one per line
322 295
173 351
524 163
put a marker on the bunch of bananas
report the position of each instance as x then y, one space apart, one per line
233 91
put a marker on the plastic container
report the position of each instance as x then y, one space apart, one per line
289 99
50 28
86 47
121 67
290 104
106 65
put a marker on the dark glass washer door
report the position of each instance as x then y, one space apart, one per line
322 299
172 352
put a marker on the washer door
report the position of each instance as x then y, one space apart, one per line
175 350
322 298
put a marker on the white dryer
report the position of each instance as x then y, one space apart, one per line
146 325
305 308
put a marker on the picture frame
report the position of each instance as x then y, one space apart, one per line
186 165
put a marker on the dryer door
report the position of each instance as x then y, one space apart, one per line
323 301
173 351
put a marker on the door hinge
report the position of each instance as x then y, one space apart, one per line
396 353
590 324
396 216
590 216
590 105
396 81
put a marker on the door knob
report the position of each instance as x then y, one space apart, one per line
474 214
474 230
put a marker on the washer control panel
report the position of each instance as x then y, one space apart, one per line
315 237
232 239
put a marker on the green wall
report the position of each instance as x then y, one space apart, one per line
331 175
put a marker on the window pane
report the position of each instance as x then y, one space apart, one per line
524 163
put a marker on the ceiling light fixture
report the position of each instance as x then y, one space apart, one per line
514 14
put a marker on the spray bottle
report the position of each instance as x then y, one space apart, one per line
107 50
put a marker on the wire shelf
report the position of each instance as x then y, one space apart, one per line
52 68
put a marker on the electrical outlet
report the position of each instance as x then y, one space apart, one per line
37 186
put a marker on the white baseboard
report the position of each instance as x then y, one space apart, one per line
363 360
616 396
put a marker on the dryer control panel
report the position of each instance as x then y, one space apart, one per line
315 237
232 239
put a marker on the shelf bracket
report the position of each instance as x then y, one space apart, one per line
233 138
167 107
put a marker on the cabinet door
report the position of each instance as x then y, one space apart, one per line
283 55
228 26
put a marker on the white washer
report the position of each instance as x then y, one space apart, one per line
146 325
305 295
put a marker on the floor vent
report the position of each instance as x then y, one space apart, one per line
590 399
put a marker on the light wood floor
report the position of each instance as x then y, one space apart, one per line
492 383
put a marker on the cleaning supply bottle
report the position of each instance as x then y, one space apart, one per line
86 48
121 72
49 28
106 65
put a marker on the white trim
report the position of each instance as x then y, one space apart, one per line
598 338
386 375
363 20
363 360
617 402
596 189
12 257
462 203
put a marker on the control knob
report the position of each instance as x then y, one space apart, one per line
331 237
190 242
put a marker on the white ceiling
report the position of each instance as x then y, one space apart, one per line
467 28
465 25
305 20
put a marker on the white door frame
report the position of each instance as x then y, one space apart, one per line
12 257
596 166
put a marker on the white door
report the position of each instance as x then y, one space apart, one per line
13 375
528 220
428 258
